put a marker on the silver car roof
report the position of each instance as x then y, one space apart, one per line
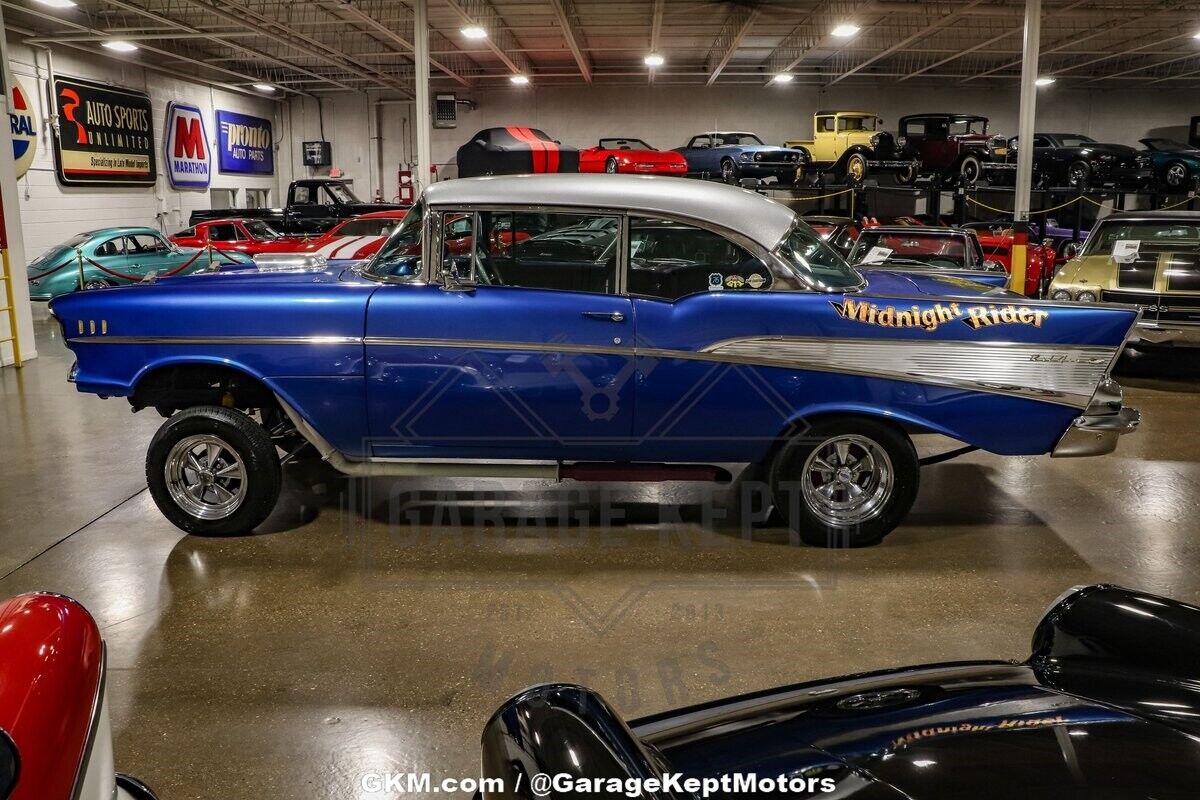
756 217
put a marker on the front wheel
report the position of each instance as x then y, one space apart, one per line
214 471
907 175
970 170
845 482
1176 175
729 171
856 167
1078 174
97 283
610 165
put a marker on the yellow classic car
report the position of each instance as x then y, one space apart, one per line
849 144
1150 259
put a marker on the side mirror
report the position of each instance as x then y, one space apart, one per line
451 282
993 266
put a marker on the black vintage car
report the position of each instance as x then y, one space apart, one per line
1106 708
514 150
1072 159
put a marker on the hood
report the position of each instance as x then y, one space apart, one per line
987 729
276 277
892 283
763 148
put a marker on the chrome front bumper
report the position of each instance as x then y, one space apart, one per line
1105 420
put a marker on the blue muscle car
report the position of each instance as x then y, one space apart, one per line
733 155
596 327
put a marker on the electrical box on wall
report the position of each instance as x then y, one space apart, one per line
318 154
445 110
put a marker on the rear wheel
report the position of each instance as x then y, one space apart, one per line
1078 173
907 175
846 482
213 470
97 283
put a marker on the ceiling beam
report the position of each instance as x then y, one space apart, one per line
339 8
568 20
656 22
929 28
729 40
500 40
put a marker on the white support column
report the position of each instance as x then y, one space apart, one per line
12 225
1025 130
422 118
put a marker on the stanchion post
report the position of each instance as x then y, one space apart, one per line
79 259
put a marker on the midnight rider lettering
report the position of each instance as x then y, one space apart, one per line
930 318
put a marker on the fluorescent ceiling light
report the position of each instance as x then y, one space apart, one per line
1044 81
845 30
264 87
473 32
519 80
57 3
121 46
654 60
783 77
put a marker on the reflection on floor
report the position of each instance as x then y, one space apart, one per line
372 627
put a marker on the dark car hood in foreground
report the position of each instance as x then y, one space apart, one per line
977 730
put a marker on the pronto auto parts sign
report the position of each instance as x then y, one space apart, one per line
104 137
185 147
245 144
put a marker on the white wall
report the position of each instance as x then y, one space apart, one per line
666 116
51 212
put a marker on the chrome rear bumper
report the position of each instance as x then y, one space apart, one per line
1105 420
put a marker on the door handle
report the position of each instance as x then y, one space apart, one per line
611 316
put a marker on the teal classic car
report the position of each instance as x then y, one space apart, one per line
109 257
1176 165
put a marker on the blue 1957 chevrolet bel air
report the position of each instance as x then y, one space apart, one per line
596 327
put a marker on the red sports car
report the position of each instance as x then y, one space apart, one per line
249 236
55 733
997 245
355 239
618 154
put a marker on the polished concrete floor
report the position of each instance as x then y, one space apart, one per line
373 628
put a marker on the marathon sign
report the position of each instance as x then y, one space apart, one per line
185 146
105 136
245 144
23 126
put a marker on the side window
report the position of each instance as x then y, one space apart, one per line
458 243
850 124
568 252
914 127
669 260
1041 141
825 124
222 233
145 243
187 233
302 196
113 247
700 141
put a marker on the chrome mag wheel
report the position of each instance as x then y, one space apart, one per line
1176 175
610 165
205 476
847 480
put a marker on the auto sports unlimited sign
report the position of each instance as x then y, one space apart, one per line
245 144
105 136
185 147
23 126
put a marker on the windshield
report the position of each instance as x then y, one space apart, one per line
815 262
624 144
377 226
916 249
341 192
260 230
400 255
961 127
1149 237
735 138
1167 144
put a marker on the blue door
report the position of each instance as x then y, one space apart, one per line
528 354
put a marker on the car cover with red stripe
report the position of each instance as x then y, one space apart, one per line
514 151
